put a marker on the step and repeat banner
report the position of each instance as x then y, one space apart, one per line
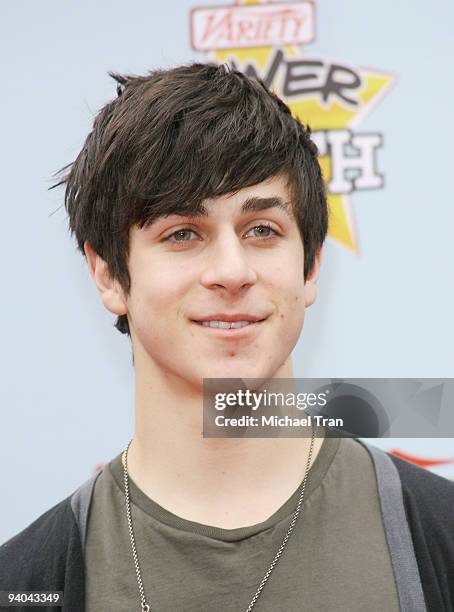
373 83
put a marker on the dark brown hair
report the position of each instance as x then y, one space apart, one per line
174 137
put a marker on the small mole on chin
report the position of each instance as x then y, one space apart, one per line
232 354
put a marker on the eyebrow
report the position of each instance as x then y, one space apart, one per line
256 204
252 204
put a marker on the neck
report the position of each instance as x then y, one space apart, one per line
224 482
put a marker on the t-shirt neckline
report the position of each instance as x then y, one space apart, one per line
154 510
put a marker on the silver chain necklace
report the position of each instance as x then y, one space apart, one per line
144 605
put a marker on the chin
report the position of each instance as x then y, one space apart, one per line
239 370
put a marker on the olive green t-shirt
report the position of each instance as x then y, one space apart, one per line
336 559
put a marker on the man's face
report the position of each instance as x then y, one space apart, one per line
191 277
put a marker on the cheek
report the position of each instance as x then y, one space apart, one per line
289 295
288 284
156 296
286 269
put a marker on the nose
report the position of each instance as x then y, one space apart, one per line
227 264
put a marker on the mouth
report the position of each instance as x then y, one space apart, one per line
227 324
232 324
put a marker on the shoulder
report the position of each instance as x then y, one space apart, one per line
427 492
40 545
427 498
44 553
429 507
430 493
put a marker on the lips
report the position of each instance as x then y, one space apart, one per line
225 324
223 321
231 318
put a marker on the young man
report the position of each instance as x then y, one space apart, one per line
199 204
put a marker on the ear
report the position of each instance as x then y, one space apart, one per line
111 293
310 285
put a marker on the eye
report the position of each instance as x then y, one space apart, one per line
181 235
264 231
